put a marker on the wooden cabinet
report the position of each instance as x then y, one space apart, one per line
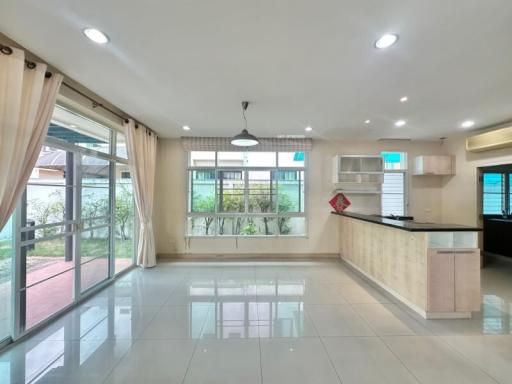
440 280
467 280
453 280
441 165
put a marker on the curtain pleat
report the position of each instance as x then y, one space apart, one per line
142 160
27 99
266 144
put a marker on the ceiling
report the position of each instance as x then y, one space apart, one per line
299 62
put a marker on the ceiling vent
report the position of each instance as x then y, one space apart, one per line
499 138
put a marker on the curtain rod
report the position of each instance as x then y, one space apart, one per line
6 50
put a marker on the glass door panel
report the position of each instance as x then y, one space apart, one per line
47 263
6 257
124 229
94 252
49 284
94 239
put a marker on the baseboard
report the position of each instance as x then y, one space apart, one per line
247 256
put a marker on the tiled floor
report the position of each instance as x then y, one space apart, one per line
264 322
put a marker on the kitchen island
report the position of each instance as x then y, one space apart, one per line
432 268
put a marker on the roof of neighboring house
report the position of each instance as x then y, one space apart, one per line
56 159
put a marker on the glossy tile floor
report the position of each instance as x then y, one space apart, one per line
264 322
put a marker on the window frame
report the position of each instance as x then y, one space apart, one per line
246 214
406 181
506 193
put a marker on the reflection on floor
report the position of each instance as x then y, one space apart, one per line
264 322
46 295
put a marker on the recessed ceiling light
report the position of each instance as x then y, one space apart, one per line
308 129
467 124
386 41
367 121
404 99
186 128
72 126
96 35
399 123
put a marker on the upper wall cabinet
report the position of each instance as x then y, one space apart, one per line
358 173
434 165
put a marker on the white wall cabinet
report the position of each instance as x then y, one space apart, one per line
358 173
436 165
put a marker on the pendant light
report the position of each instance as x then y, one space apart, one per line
244 139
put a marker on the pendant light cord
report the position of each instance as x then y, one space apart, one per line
245 118
245 104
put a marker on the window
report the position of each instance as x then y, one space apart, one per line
246 194
393 200
494 194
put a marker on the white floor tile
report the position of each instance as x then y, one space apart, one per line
225 362
492 353
62 361
297 361
337 320
154 361
388 319
304 318
180 322
366 360
432 361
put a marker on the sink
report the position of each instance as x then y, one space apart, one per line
399 218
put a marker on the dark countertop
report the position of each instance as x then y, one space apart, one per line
408 225
501 220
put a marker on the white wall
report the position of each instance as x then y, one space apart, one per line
170 200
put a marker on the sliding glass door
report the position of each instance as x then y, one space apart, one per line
75 223
47 254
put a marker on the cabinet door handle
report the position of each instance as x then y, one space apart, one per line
444 252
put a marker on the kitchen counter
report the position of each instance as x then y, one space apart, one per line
408 225
501 220
497 236
432 268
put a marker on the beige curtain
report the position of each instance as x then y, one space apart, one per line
141 144
27 98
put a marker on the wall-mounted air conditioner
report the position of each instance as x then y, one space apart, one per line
499 138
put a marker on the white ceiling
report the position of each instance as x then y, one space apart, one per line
300 62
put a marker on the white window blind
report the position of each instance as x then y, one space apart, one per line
393 194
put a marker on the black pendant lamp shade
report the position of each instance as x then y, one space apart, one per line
244 139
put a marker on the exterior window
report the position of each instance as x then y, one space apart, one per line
493 193
246 194
205 175
393 201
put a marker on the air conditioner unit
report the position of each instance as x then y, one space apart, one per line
499 138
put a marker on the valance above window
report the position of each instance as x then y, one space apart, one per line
266 144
